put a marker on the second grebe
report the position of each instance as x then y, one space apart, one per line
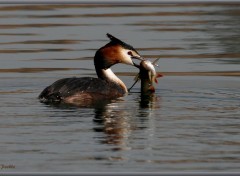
87 90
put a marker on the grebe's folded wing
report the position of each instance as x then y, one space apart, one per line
68 87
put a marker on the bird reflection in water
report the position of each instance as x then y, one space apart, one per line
149 101
118 124
115 124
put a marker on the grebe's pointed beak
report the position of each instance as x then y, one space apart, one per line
138 58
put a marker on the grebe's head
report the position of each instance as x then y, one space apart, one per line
116 51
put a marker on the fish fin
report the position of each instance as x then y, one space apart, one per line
159 75
155 62
151 88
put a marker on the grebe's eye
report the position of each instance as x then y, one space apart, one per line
130 53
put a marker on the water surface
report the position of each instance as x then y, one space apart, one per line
190 124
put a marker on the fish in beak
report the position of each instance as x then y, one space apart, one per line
147 75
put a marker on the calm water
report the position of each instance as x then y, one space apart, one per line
192 123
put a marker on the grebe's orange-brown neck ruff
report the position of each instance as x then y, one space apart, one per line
87 90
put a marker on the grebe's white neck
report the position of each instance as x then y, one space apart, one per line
107 74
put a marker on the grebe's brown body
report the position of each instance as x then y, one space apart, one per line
87 90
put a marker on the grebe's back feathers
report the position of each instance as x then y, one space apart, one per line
85 87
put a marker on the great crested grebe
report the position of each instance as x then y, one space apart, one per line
87 90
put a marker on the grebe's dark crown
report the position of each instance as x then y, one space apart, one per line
123 44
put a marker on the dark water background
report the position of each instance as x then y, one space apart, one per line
192 123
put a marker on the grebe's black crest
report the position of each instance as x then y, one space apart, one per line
115 40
